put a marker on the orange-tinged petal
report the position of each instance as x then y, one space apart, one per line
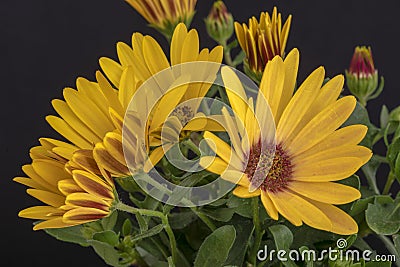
83 215
93 184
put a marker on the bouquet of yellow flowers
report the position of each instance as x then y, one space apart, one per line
180 159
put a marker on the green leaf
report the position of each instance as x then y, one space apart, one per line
151 232
240 206
239 58
378 264
360 116
109 222
127 227
108 253
384 117
395 114
383 217
108 237
370 169
69 234
283 239
221 214
180 220
308 261
215 248
244 229
361 205
396 241
393 152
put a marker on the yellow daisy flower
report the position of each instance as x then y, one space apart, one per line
165 15
146 59
262 40
69 199
312 152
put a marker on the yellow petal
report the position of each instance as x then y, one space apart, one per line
322 125
112 69
88 112
47 197
213 164
127 87
50 170
177 40
236 177
69 186
234 90
53 223
350 135
109 93
154 55
243 192
39 212
363 153
299 104
71 119
272 83
28 182
326 96
342 223
300 209
223 150
69 133
327 170
326 192
125 54
269 206
190 47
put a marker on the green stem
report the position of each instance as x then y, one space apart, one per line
389 183
153 213
205 219
390 246
189 143
257 229
227 54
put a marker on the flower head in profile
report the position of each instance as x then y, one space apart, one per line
312 152
68 198
362 77
262 40
165 15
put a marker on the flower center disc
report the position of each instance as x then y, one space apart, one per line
280 172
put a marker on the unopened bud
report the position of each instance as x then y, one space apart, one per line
219 22
362 77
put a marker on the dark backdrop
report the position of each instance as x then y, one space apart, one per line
46 44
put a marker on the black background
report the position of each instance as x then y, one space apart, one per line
47 44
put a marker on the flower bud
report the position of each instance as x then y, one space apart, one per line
219 23
362 77
165 15
262 39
